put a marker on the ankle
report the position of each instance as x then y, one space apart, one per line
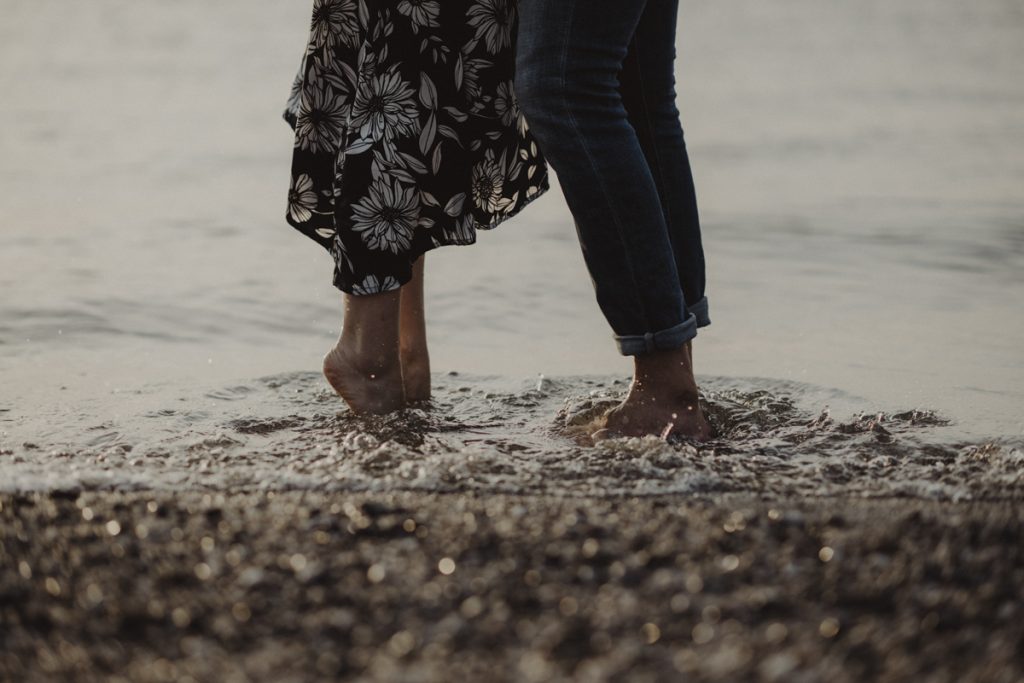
378 363
665 376
662 361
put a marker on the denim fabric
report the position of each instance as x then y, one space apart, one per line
596 81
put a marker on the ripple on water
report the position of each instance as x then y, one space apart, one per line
491 434
235 393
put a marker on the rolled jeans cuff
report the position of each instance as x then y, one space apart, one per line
663 340
700 311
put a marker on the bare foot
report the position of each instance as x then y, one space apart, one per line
643 413
366 388
662 399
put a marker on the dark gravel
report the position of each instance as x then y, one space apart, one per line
455 587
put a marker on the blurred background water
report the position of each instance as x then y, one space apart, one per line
860 168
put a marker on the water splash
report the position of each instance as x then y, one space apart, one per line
491 435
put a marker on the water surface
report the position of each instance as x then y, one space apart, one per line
859 168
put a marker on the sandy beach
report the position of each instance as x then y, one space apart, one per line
300 586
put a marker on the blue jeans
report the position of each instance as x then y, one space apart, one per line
595 79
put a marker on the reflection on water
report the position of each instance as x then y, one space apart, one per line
289 432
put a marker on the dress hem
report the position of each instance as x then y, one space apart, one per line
346 288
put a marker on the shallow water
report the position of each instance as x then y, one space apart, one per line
493 435
859 168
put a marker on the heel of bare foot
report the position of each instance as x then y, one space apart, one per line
416 376
366 389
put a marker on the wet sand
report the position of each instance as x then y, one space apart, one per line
299 586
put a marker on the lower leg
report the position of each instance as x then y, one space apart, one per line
662 398
364 366
648 86
569 58
413 338
569 63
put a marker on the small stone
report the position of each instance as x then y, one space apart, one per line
829 628
181 617
471 607
241 612
376 573
703 633
776 632
777 666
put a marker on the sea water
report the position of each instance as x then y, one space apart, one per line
859 168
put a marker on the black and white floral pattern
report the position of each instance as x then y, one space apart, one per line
408 135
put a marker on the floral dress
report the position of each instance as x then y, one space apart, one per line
407 133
